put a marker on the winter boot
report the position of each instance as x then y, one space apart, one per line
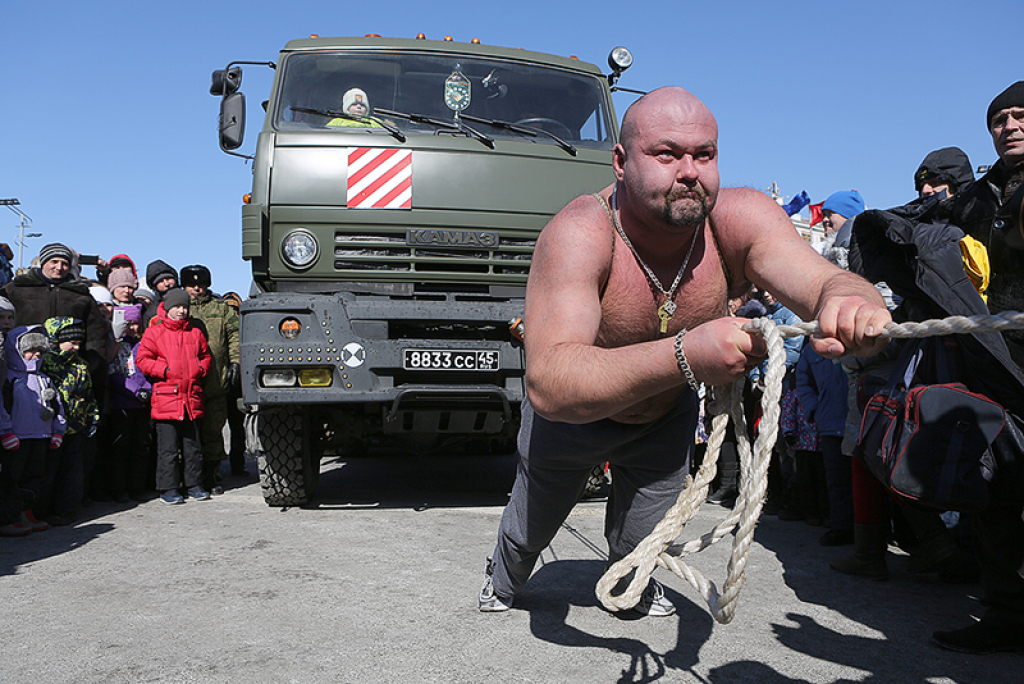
932 554
30 521
728 477
935 545
14 529
211 478
868 559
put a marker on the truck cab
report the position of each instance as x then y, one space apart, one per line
390 241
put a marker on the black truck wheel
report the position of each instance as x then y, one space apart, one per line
289 472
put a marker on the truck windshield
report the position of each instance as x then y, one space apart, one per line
318 91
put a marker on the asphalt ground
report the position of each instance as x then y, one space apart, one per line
378 583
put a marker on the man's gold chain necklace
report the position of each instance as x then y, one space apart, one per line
668 307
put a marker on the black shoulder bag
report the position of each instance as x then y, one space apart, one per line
927 442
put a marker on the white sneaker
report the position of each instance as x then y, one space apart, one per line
653 601
488 601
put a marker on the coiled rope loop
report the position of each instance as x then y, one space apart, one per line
659 549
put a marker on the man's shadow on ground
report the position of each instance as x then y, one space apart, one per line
903 612
561 584
558 585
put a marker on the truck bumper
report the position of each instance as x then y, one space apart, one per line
443 363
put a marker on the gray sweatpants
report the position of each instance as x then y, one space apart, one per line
649 464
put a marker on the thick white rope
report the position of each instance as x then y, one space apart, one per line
658 547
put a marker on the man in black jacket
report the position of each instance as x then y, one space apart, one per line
50 290
982 211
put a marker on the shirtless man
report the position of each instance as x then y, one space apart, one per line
607 359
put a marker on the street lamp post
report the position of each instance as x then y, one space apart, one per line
25 223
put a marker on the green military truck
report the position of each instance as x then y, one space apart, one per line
390 245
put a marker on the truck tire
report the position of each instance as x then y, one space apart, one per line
288 471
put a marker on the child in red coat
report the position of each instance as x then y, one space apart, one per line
174 355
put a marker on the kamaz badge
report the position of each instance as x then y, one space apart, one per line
457 90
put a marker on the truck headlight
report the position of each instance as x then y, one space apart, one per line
278 378
300 249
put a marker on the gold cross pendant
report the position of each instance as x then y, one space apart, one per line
665 312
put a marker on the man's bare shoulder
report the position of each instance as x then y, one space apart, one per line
582 229
739 206
743 216
749 225
584 214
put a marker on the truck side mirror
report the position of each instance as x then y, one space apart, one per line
226 81
232 121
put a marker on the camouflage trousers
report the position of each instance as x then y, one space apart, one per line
215 415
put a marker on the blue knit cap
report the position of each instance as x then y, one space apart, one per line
846 203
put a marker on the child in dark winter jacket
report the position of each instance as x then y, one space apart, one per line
36 422
71 379
130 392
175 356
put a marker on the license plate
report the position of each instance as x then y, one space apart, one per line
450 359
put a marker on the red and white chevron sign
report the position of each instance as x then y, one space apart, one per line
379 178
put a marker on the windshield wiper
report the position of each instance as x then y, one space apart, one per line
334 114
531 131
439 123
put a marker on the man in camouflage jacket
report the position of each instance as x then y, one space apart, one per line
219 323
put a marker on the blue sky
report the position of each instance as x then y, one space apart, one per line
109 133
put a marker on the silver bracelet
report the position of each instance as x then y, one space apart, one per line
684 365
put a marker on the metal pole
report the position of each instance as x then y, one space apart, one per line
26 221
21 242
23 235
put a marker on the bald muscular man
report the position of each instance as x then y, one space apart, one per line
626 313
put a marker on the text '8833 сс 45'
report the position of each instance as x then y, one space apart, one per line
451 359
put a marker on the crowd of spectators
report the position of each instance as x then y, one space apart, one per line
104 385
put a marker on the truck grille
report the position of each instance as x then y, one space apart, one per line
386 252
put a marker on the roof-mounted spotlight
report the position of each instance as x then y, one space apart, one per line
620 59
